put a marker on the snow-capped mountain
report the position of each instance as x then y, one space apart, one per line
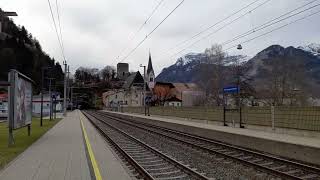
313 48
191 67
184 68
190 58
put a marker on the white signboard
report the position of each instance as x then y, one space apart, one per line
22 100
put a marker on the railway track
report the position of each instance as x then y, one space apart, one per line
283 168
148 162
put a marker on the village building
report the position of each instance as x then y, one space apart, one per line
3 105
177 94
131 93
57 104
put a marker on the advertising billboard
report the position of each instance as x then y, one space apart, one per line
22 100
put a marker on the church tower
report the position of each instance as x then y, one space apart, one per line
150 74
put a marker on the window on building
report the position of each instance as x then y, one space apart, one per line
151 79
116 96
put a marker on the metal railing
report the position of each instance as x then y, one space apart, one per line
304 118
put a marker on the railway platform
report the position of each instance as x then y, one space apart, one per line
72 149
305 149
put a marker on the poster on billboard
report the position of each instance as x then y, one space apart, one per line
21 98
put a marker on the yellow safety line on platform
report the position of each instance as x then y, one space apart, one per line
92 158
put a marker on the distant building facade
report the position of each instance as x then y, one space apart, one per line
131 94
3 105
57 101
183 94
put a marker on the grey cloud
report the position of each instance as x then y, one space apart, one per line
96 31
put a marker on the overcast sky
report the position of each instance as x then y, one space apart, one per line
96 31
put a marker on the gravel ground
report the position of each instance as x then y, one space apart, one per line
212 166
125 143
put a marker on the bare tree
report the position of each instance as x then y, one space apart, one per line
107 72
237 73
286 82
217 58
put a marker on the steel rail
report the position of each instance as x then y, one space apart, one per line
141 171
176 163
265 156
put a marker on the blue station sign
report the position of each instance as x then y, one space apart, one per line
231 89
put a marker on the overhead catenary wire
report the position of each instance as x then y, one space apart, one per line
272 22
275 29
224 26
59 24
212 26
56 30
150 33
133 35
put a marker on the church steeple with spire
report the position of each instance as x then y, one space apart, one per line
150 73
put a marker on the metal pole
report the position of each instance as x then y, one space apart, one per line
68 88
55 108
239 99
29 130
50 98
65 89
41 103
11 108
224 116
144 90
272 118
71 98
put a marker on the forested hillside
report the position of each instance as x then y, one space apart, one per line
20 50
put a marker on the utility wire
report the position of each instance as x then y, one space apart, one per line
58 14
55 27
148 35
275 29
224 26
272 22
132 36
213 25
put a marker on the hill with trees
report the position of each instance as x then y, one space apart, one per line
21 51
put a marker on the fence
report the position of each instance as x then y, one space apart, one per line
304 118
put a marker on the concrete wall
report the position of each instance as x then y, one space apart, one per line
292 151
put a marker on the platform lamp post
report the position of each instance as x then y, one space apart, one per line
50 96
6 14
42 88
144 89
65 89
239 47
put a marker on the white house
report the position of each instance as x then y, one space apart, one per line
131 93
3 105
36 104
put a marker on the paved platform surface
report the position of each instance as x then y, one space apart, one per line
305 141
109 164
61 154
